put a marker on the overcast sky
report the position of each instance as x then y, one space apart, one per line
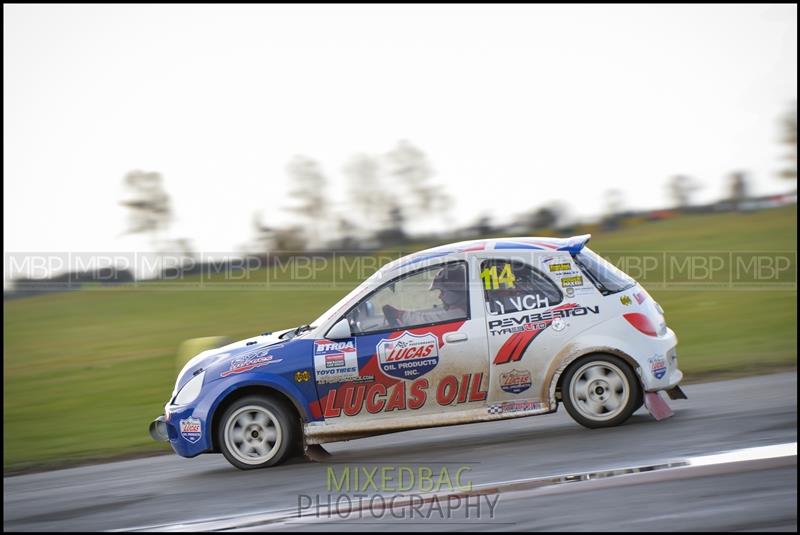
516 106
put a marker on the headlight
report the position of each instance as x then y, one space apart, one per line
190 390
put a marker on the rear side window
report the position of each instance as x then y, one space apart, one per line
513 286
604 274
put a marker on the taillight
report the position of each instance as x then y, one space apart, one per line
641 322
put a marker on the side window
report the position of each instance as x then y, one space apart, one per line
433 295
513 286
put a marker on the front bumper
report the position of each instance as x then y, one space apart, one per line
158 430
186 433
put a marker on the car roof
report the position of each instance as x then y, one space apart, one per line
533 244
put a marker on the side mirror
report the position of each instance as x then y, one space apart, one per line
340 330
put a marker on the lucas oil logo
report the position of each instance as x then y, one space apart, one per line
190 429
335 362
408 356
515 381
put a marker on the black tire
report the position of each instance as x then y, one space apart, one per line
589 393
264 413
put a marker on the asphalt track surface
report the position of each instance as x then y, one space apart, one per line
178 493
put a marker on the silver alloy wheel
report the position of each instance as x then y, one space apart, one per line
599 390
253 434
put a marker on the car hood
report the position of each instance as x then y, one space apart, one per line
203 360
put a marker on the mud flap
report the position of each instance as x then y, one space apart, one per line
676 393
657 406
316 453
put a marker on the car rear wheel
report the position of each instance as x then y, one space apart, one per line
601 391
257 432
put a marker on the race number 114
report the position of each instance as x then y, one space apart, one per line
492 281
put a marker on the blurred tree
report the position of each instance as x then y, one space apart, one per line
482 225
543 218
369 199
308 189
185 247
289 239
149 207
790 139
680 189
394 233
614 202
737 183
410 168
264 234
346 234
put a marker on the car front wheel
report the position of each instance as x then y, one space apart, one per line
256 432
601 391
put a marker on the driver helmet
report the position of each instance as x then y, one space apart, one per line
451 281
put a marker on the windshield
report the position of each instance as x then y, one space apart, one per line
374 280
291 333
604 274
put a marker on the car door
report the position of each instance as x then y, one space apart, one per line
418 346
523 327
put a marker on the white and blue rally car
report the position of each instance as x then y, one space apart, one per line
472 331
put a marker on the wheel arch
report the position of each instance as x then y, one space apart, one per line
560 371
232 396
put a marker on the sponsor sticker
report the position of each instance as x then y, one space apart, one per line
571 282
536 322
408 356
250 361
190 429
640 297
335 361
570 292
514 406
658 366
302 376
625 300
515 381
559 267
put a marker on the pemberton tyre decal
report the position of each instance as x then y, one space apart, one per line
514 348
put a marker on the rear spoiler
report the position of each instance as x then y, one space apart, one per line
574 244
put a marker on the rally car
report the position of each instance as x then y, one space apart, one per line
473 331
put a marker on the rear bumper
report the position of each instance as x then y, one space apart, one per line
659 363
